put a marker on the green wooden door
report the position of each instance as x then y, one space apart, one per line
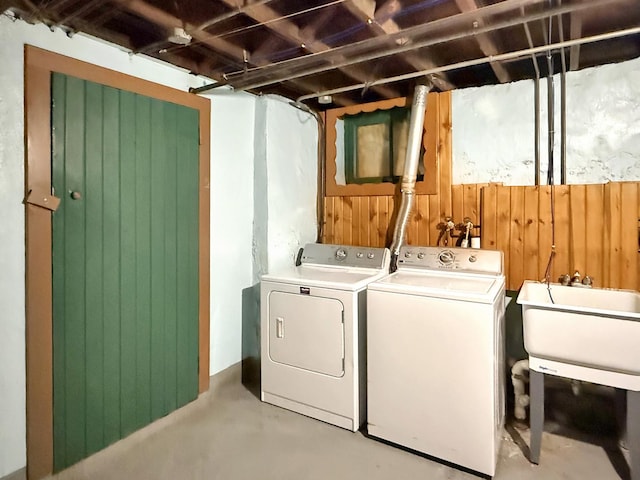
125 263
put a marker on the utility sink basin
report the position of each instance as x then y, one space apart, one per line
590 334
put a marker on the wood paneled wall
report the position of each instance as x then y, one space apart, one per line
596 226
596 231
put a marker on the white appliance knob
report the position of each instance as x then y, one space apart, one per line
407 254
473 258
371 255
421 255
359 254
341 254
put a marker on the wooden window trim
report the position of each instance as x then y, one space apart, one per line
430 141
39 64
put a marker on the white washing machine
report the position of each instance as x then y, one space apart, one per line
313 332
435 355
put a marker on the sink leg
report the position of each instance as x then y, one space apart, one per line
536 411
633 433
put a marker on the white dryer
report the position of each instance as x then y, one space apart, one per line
435 355
313 332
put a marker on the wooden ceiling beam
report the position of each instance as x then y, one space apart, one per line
381 23
486 43
575 31
290 32
169 21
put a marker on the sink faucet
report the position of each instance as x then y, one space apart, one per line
576 280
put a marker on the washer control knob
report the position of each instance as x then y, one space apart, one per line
446 257
371 255
359 254
473 258
341 254
421 255
407 254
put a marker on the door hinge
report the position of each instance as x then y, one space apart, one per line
40 197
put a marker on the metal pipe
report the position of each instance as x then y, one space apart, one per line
321 166
536 102
563 110
408 184
550 111
372 48
478 61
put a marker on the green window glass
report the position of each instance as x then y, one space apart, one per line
376 146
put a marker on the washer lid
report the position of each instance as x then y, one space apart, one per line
469 287
351 279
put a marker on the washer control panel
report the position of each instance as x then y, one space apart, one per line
457 259
345 256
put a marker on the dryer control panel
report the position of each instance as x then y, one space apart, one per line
472 260
345 256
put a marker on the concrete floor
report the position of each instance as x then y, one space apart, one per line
229 434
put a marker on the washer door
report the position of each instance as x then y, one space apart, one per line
307 332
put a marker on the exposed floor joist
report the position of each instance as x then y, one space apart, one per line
486 43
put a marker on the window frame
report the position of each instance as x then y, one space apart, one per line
430 142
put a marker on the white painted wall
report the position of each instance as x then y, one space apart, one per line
291 159
493 129
232 179
232 132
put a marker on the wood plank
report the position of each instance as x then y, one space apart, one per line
338 231
431 143
578 229
614 226
562 262
383 220
328 222
594 232
434 218
471 205
365 222
355 220
444 153
457 203
531 248
488 216
516 238
373 219
628 235
347 219
422 206
503 228
545 243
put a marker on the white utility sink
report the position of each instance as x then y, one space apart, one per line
590 334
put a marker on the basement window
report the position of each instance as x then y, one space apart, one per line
375 146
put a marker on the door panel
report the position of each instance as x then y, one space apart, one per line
307 332
125 263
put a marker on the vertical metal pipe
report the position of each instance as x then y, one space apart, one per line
411 161
563 107
537 130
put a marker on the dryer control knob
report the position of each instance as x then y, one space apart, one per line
420 255
371 255
407 254
359 254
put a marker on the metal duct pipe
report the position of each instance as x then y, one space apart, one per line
321 166
412 159
563 110
536 101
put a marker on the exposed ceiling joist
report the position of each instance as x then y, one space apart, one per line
486 43
575 31
355 50
382 24
285 28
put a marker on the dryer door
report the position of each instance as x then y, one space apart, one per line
307 332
